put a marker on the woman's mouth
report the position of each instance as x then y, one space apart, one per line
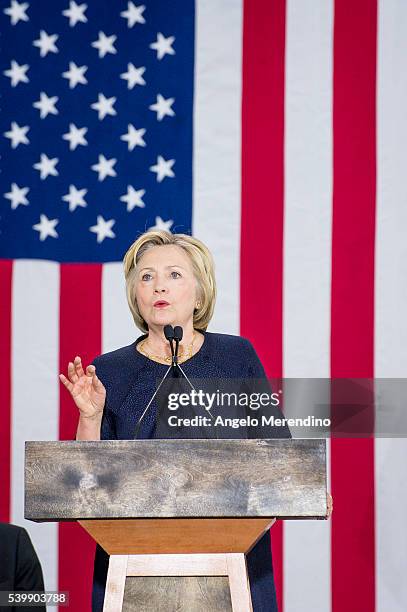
160 304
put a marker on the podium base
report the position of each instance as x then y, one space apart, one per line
178 582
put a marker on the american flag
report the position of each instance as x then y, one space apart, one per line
273 130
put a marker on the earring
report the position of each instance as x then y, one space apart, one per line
198 305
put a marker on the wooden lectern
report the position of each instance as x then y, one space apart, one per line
176 516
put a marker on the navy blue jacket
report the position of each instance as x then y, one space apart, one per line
130 379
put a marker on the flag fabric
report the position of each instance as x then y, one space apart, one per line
96 110
272 130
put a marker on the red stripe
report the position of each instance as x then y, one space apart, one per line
261 263
80 334
6 274
354 126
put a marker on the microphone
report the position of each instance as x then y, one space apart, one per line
171 334
178 333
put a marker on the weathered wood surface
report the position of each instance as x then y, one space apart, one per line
179 535
177 594
281 478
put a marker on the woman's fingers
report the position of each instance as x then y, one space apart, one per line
85 387
72 375
75 373
66 382
97 384
78 380
90 370
78 366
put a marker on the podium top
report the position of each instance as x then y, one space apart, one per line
281 478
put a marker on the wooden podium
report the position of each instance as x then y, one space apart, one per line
176 516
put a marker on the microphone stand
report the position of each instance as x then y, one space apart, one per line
171 334
178 333
150 402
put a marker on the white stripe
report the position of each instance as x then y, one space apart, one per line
307 262
118 328
217 145
391 533
391 298
35 396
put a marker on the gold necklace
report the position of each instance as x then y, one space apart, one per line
166 359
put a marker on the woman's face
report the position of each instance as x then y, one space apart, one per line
165 286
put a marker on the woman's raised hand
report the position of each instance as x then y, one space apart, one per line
86 389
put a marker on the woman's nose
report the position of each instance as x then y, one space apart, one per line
160 287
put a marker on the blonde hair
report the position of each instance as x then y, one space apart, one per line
202 265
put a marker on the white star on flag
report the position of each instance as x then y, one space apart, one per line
76 13
75 197
16 12
163 107
46 43
46 166
75 74
163 45
17 134
162 225
104 44
46 227
103 229
133 198
133 76
46 105
134 137
17 73
163 168
134 14
75 136
104 106
17 196
104 167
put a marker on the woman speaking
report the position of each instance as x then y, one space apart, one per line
169 281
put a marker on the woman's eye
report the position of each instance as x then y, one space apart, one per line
146 276
175 274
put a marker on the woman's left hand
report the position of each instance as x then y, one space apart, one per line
330 504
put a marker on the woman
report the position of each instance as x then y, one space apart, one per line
170 281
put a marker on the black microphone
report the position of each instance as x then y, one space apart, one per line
169 332
178 333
